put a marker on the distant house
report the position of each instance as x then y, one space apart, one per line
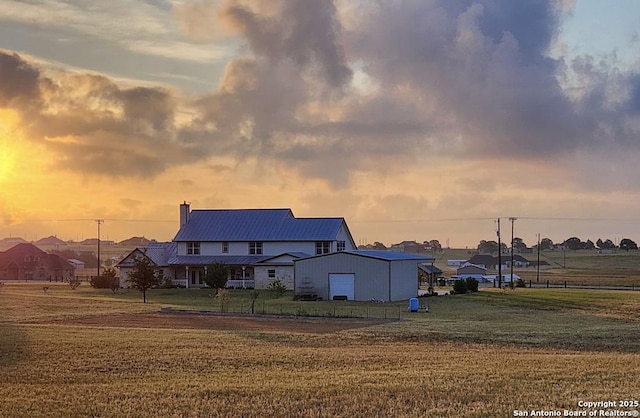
9 242
468 270
487 261
51 241
408 247
29 263
257 245
134 242
77 264
491 262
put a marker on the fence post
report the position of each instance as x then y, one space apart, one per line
547 284
529 283
565 284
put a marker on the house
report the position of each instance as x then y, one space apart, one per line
408 247
471 270
257 245
52 242
491 263
77 264
487 261
279 267
27 262
360 275
158 253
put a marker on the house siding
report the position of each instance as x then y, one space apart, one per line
371 275
404 279
283 273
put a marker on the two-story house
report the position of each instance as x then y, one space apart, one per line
257 245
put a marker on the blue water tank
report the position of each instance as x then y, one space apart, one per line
414 304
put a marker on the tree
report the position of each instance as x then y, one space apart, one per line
143 276
433 245
605 245
216 276
519 245
546 244
627 244
487 247
588 245
573 243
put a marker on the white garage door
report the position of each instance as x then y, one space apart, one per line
341 284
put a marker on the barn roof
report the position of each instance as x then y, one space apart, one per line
385 255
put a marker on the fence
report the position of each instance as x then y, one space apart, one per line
563 284
303 309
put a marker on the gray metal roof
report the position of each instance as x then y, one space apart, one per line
256 225
205 260
382 255
158 252
391 255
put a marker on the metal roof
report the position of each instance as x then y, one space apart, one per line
205 260
256 225
390 255
385 255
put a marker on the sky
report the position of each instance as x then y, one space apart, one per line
412 119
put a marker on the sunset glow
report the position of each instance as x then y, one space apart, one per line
413 120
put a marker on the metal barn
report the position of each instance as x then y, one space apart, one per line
360 275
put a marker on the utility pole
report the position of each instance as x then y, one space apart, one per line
512 222
538 265
499 257
99 222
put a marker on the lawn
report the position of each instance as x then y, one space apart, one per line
86 352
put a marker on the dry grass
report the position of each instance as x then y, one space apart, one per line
481 355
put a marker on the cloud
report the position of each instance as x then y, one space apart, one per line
446 79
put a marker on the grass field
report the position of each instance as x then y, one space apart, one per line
582 267
86 352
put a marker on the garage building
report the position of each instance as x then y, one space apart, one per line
360 275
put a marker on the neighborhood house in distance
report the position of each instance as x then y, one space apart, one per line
260 246
25 261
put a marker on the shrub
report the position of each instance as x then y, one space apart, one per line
277 288
460 286
217 275
520 283
74 282
472 284
108 280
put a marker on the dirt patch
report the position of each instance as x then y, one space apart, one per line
181 320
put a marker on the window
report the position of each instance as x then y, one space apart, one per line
225 247
255 248
323 247
193 248
272 274
342 246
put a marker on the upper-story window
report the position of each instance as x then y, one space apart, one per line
323 247
193 248
341 246
255 248
225 247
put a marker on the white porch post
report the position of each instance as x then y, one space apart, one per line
186 269
243 268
